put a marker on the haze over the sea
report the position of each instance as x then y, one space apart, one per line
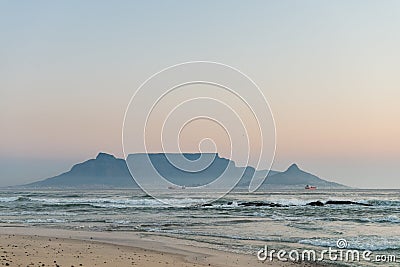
329 69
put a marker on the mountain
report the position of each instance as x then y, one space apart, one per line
295 177
107 171
187 170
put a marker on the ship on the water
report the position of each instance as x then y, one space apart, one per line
310 187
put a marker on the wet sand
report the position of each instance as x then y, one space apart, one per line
30 246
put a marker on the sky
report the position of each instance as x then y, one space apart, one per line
329 70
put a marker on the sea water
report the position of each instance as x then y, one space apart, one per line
240 222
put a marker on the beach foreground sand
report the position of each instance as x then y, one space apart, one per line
29 246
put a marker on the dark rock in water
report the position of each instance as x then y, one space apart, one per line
229 203
315 203
336 202
207 205
260 204
248 204
276 205
345 202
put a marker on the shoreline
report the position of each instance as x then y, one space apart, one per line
23 246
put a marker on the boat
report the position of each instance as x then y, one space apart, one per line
175 187
310 187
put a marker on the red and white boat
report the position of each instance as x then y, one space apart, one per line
310 187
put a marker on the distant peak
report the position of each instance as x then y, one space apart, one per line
103 155
293 167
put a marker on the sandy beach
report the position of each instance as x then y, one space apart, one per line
30 246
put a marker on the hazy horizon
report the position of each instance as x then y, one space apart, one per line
329 71
57 167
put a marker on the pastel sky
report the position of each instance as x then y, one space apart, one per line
329 69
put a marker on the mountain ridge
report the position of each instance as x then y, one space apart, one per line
107 171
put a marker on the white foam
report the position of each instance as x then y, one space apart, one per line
49 220
120 203
8 199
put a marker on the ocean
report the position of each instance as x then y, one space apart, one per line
240 222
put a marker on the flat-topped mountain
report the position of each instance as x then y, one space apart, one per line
107 171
